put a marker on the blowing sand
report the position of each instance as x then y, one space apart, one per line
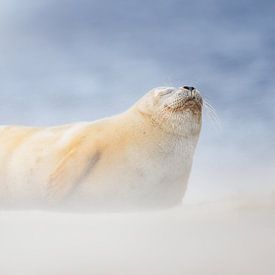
214 238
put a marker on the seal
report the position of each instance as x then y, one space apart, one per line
140 158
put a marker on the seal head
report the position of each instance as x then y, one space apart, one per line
175 110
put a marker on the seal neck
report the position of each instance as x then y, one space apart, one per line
164 133
187 126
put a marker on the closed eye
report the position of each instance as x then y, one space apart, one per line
165 92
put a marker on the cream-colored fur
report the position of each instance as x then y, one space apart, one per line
140 158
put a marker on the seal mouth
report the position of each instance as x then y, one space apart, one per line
189 104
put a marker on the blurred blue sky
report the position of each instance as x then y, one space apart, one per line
64 61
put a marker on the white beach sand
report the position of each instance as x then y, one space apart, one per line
212 238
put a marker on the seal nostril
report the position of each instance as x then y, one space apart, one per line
189 88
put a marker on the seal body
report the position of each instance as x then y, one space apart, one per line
140 158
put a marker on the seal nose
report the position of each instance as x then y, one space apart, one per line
189 88
192 93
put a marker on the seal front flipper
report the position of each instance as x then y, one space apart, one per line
70 172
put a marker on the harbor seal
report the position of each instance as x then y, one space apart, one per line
140 158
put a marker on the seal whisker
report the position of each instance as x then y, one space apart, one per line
212 114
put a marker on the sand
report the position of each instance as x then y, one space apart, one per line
210 238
